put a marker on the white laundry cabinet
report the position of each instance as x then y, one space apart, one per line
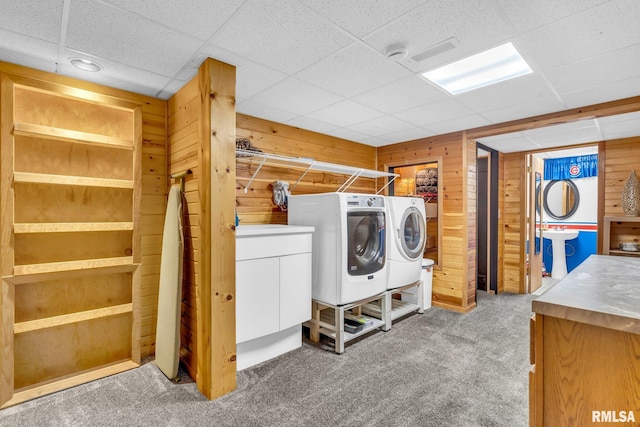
273 290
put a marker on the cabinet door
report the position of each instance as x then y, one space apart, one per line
295 289
257 298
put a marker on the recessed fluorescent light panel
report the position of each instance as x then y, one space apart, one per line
483 69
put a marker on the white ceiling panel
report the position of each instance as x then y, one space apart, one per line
199 18
474 23
283 35
124 37
596 71
296 96
525 89
252 78
528 15
382 125
251 108
308 123
585 35
456 124
363 16
401 95
322 65
525 109
622 126
354 70
42 55
345 113
602 93
34 18
435 112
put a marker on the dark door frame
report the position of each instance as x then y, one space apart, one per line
492 255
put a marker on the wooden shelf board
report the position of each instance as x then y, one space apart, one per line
85 264
66 319
621 252
38 390
65 227
67 274
48 132
41 178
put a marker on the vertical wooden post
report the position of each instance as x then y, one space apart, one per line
216 300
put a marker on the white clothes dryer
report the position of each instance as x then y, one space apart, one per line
349 244
407 237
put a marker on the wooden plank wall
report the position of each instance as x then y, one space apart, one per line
513 231
621 157
471 198
153 188
501 222
183 142
451 280
256 206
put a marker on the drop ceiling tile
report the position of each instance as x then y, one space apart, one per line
562 129
611 25
198 18
115 74
353 70
510 144
381 126
252 78
264 112
283 35
108 32
28 51
363 16
408 135
307 123
603 69
436 112
524 89
526 16
602 93
348 134
524 109
296 97
568 137
621 126
458 124
474 23
410 92
345 113
34 18
376 141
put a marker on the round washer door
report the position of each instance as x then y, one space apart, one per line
365 244
412 234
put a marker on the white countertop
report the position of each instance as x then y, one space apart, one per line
602 291
271 229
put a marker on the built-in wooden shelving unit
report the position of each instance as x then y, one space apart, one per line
70 237
620 229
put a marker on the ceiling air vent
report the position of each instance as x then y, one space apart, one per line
442 47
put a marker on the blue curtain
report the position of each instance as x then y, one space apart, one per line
571 167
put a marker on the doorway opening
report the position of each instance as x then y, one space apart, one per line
487 164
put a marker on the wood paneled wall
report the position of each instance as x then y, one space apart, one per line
513 240
201 136
153 188
620 158
454 279
256 205
183 133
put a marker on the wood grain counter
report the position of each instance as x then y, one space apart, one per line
585 347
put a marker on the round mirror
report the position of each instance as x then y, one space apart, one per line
561 199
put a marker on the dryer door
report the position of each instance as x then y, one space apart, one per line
365 244
412 234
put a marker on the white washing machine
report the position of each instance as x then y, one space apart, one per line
349 244
407 236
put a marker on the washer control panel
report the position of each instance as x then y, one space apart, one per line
362 200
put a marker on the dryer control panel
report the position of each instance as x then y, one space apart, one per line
365 201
